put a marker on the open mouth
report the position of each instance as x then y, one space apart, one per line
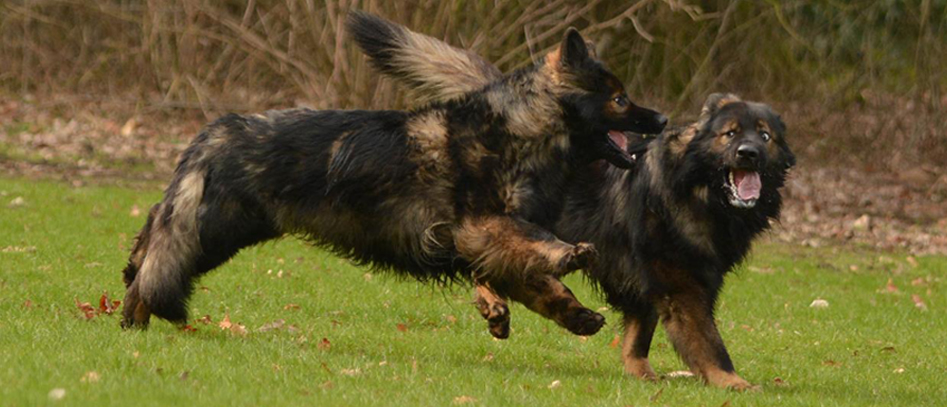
743 188
615 150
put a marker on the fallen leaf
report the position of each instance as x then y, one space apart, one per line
452 319
888 349
464 400
912 261
129 127
351 372
188 328
272 325
899 370
27 304
236 329
17 202
918 302
890 287
554 384
90 377
324 344
488 357
819 303
135 211
107 306
615 341
780 382
205 320
88 311
402 327
681 373
291 307
225 323
830 362
726 403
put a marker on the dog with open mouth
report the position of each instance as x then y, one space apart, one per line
668 230
460 189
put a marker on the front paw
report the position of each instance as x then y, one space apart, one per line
584 322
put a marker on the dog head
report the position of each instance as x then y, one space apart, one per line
744 147
598 110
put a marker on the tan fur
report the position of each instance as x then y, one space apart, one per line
500 246
428 134
177 241
442 72
635 344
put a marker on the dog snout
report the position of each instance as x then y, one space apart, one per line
662 121
749 154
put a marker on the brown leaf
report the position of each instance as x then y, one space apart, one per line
918 302
402 327
291 307
107 306
188 328
205 320
90 377
88 311
272 325
780 382
890 287
324 344
464 400
912 261
830 362
615 341
555 384
135 211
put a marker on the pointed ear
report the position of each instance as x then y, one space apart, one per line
716 101
573 48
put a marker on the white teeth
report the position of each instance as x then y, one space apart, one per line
735 195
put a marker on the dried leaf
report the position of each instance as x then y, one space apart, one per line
615 342
135 211
291 307
107 306
188 328
57 394
918 302
324 344
402 327
464 400
225 323
351 372
88 311
819 303
205 320
555 384
90 377
830 362
890 287
272 325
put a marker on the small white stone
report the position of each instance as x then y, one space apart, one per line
819 303
57 394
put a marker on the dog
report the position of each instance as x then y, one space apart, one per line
453 190
668 230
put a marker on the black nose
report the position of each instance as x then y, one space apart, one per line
662 121
748 152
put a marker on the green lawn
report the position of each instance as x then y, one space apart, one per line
351 338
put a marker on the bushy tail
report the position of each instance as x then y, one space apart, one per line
431 68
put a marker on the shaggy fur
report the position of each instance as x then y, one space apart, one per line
669 230
456 189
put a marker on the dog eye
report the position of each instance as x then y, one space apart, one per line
730 133
620 100
766 136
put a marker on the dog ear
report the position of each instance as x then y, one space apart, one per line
573 49
715 102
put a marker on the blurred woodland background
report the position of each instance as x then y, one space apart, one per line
89 85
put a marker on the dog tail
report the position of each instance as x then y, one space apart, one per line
431 68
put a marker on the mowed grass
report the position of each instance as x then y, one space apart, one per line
352 338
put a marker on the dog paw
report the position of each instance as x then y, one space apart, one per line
585 322
581 256
497 315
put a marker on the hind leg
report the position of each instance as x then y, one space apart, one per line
179 249
506 248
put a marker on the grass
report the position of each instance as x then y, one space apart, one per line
402 343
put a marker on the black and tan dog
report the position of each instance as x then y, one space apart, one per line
667 231
452 190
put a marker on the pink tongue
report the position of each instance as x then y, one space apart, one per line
748 184
619 139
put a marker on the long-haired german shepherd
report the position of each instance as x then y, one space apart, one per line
451 190
666 231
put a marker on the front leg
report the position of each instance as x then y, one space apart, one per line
503 248
688 319
549 297
640 323
493 308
